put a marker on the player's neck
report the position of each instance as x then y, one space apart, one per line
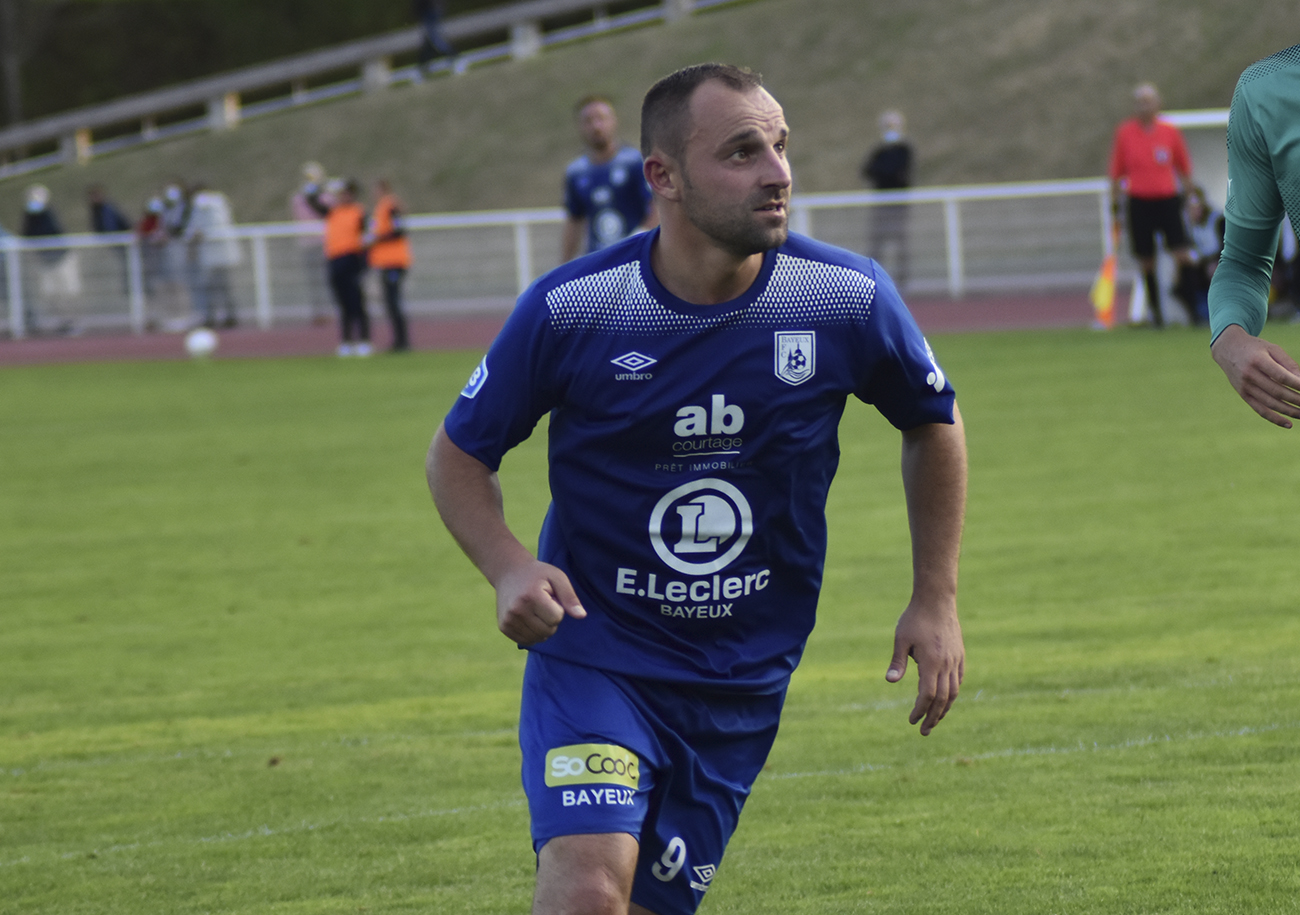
601 155
698 271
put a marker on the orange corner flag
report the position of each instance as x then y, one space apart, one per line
1103 293
1103 287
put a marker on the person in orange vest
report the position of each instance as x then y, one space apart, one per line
345 253
390 254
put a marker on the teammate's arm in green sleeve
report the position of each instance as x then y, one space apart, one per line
1239 290
1267 379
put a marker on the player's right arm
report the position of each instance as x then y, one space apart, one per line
533 597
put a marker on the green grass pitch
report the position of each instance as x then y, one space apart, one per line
243 668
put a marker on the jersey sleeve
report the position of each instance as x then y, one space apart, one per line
903 380
1253 198
1239 289
508 392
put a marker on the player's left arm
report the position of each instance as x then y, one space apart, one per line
934 481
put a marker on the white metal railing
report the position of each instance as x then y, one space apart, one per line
951 200
960 239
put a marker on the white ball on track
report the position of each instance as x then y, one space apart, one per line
201 342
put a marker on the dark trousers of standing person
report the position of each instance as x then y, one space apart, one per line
433 43
345 280
392 278
889 230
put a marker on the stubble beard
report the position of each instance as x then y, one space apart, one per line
736 229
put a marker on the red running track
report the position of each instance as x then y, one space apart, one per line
936 316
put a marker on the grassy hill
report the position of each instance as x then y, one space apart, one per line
995 90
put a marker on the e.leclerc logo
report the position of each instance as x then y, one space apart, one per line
712 525
697 529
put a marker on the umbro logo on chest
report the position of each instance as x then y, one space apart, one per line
634 366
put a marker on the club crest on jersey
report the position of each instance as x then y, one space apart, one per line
796 356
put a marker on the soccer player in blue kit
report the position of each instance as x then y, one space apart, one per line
694 377
606 198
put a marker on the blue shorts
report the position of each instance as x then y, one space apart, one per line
669 764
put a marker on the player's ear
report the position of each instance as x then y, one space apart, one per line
662 174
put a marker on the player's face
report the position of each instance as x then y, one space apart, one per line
598 125
736 180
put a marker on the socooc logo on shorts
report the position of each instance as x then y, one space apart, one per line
592 764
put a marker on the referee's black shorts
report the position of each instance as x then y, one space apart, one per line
1147 216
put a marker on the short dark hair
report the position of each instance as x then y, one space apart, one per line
665 113
591 100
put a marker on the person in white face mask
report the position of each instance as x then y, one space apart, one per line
888 167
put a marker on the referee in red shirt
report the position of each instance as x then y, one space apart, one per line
1149 162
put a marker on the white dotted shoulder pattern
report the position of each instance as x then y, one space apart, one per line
799 291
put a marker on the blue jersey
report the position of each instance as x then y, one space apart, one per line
692 447
613 196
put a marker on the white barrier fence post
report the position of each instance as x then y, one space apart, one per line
14 278
261 282
952 232
1107 218
135 285
523 256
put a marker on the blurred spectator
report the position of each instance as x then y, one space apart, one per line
1205 233
888 167
433 44
390 254
59 269
1285 282
605 191
176 276
104 216
153 245
310 251
213 251
1149 163
176 259
345 230
39 218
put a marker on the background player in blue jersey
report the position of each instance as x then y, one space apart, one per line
694 377
606 198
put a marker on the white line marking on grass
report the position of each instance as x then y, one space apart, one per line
1080 747
264 831
202 753
1130 744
